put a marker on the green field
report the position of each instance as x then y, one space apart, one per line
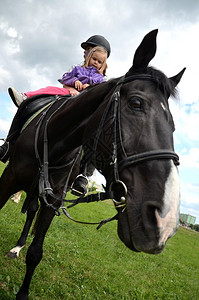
80 262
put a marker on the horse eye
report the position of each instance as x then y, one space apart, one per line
135 103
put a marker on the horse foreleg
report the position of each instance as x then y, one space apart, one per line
35 251
32 209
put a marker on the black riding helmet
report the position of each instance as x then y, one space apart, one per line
97 40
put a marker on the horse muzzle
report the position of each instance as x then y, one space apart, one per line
149 219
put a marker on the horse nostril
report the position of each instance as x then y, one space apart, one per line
149 215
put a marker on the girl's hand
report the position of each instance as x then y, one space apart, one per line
74 93
71 89
78 85
85 85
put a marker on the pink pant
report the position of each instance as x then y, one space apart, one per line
51 90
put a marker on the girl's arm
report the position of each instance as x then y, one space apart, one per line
69 78
96 78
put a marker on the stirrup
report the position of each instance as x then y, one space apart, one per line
79 185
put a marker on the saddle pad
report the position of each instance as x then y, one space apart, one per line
34 116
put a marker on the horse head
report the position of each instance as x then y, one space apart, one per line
146 162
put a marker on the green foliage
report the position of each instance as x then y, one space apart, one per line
196 227
80 262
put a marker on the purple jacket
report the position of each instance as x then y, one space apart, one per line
88 75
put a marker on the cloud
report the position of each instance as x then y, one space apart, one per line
49 42
186 117
186 138
4 125
190 158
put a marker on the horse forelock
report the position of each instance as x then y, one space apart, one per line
163 81
166 85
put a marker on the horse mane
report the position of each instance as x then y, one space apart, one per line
166 85
111 82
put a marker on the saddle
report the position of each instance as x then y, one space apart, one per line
35 104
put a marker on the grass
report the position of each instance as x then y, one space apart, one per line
80 262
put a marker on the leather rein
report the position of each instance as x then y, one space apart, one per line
45 189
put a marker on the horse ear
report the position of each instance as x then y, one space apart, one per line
176 79
146 51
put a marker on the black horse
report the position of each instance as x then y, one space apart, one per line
126 129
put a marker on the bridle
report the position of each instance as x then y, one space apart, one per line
117 189
135 159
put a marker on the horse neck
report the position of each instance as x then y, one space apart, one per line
69 125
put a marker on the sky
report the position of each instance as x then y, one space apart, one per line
40 40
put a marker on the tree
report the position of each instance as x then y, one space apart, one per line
196 227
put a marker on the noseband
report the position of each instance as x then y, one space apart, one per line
146 156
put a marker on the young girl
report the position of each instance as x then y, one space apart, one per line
91 72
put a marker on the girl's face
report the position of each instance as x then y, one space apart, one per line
97 59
